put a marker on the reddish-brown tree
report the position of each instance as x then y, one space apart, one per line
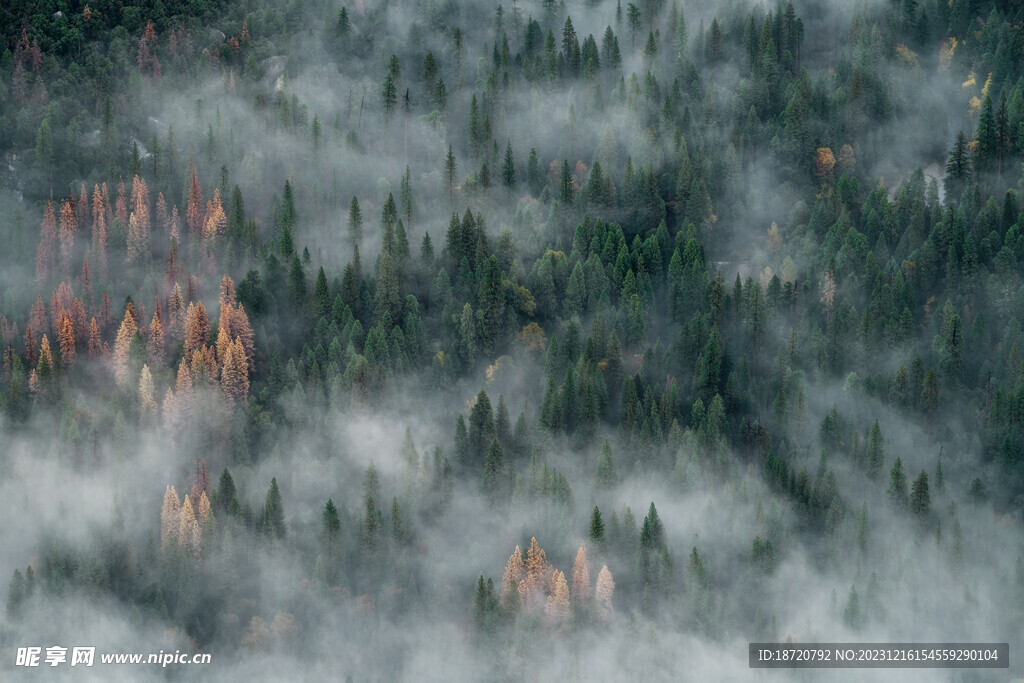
604 591
121 205
147 404
44 253
30 346
37 318
66 341
234 380
82 207
68 227
197 328
215 222
128 328
156 344
169 517
60 303
106 318
557 608
99 229
580 579
95 345
81 327
86 280
194 210
176 312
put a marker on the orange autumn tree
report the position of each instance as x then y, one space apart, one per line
557 607
129 326
511 600
215 222
68 227
169 517
580 581
176 313
37 317
147 404
156 344
197 328
234 380
44 253
188 528
121 204
95 344
604 591
66 341
82 207
99 229
531 586
825 161
78 319
194 209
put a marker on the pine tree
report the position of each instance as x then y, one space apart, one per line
450 172
607 475
188 528
988 140
898 484
852 613
122 345
355 222
44 253
958 168
273 512
514 573
874 457
604 591
557 608
920 500
531 587
494 472
234 380
508 169
580 581
147 404
68 227
66 341
157 340
169 517
99 229
197 328
481 426
194 207
397 527
597 529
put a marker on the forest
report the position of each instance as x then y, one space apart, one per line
385 340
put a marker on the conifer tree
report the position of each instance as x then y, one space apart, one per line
44 253
188 528
122 344
273 512
557 608
604 591
597 529
898 484
169 517
514 573
920 500
580 580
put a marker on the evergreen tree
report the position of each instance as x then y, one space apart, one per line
920 500
273 512
898 484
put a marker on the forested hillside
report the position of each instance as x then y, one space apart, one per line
389 340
